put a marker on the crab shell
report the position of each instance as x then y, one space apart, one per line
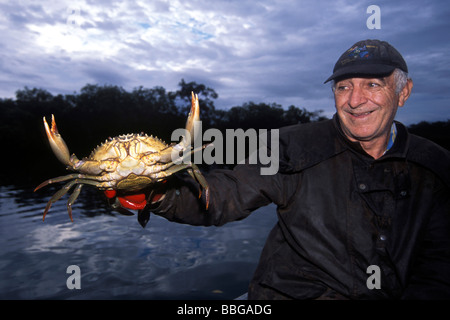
127 164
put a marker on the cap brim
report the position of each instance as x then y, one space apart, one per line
361 70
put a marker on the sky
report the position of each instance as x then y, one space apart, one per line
246 50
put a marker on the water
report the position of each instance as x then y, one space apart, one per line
118 259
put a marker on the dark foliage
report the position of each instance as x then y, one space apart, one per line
87 118
438 132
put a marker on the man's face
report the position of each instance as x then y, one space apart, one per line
367 106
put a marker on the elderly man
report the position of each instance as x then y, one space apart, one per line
363 206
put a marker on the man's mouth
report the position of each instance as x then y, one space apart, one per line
360 115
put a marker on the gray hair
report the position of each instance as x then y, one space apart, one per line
400 77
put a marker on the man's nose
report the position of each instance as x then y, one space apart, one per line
357 97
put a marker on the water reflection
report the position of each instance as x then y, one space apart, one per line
117 257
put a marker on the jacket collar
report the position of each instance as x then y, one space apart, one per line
398 149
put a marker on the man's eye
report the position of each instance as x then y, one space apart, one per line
341 88
374 85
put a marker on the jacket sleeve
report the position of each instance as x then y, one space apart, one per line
234 194
430 278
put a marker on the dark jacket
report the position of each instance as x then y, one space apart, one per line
340 211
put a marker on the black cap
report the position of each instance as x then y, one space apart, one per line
368 58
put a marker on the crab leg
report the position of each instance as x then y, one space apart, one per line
197 175
60 193
171 170
72 199
193 171
188 155
68 177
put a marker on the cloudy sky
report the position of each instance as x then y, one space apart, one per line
247 50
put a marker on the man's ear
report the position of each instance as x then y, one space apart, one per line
405 93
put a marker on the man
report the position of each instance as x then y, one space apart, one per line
363 206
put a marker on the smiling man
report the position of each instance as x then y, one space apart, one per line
367 107
363 206
370 83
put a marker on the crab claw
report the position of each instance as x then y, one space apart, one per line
193 117
194 114
57 143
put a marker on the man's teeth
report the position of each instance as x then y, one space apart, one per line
361 114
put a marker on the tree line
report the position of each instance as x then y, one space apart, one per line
97 112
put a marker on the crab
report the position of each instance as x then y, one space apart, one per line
127 168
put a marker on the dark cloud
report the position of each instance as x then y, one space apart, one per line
247 51
104 73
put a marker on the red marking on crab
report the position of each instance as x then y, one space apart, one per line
110 193
133 201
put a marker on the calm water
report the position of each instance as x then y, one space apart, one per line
118 259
